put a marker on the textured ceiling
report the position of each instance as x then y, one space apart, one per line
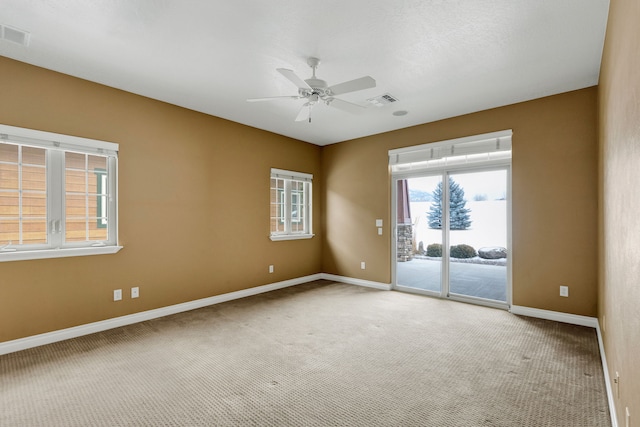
439 58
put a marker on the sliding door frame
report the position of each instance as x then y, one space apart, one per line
444 173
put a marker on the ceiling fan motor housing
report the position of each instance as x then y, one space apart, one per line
318 87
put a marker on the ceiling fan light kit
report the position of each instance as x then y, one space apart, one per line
315 90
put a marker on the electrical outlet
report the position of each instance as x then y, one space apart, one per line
135 292
117 295
363 265
271 269
564 291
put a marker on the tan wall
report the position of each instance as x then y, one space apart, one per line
619 135
554 172
194 205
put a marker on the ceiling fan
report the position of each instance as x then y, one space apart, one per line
315 90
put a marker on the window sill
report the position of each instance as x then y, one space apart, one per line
57 253
278 237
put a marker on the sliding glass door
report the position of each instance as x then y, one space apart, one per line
418 246
451 234
478 234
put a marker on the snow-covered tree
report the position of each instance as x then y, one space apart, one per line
459 218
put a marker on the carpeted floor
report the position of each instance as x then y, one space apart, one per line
318 354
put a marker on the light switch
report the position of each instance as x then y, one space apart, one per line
379 231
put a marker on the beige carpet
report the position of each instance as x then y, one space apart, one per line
319 354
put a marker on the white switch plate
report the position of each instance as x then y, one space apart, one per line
378 223
135 292
271 269
363 265
564 291
379 231
117 294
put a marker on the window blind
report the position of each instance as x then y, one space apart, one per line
284 174
53 141
476 149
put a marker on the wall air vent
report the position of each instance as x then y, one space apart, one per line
14 35
382 100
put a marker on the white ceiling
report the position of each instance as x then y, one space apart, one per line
440 58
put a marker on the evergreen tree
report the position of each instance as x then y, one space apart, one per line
459 218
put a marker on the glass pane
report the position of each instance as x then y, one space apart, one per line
297 227
34 178
75 206
8 176
97 183
34 204
97 233
478 234
75 230
8 153
419 233
295 207
75 181
86 200
101 222
74 161
97 164
33 156
9 232
277 205
97 206
9 205
34 231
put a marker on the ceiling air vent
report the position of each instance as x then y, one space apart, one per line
14 35
382 100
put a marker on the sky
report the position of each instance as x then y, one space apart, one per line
491 183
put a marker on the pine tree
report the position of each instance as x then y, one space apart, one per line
459 218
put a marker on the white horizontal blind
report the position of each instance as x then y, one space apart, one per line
53 141
284 174
476 149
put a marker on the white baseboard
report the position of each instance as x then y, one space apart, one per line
573 319
90 328
607 379
358 282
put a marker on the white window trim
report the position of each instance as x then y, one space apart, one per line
298 176
54 141
57 253
277 237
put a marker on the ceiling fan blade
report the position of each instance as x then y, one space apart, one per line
353 85
346 106
272 98
293 78
305 113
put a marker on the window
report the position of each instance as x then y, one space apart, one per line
290 205
57 195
